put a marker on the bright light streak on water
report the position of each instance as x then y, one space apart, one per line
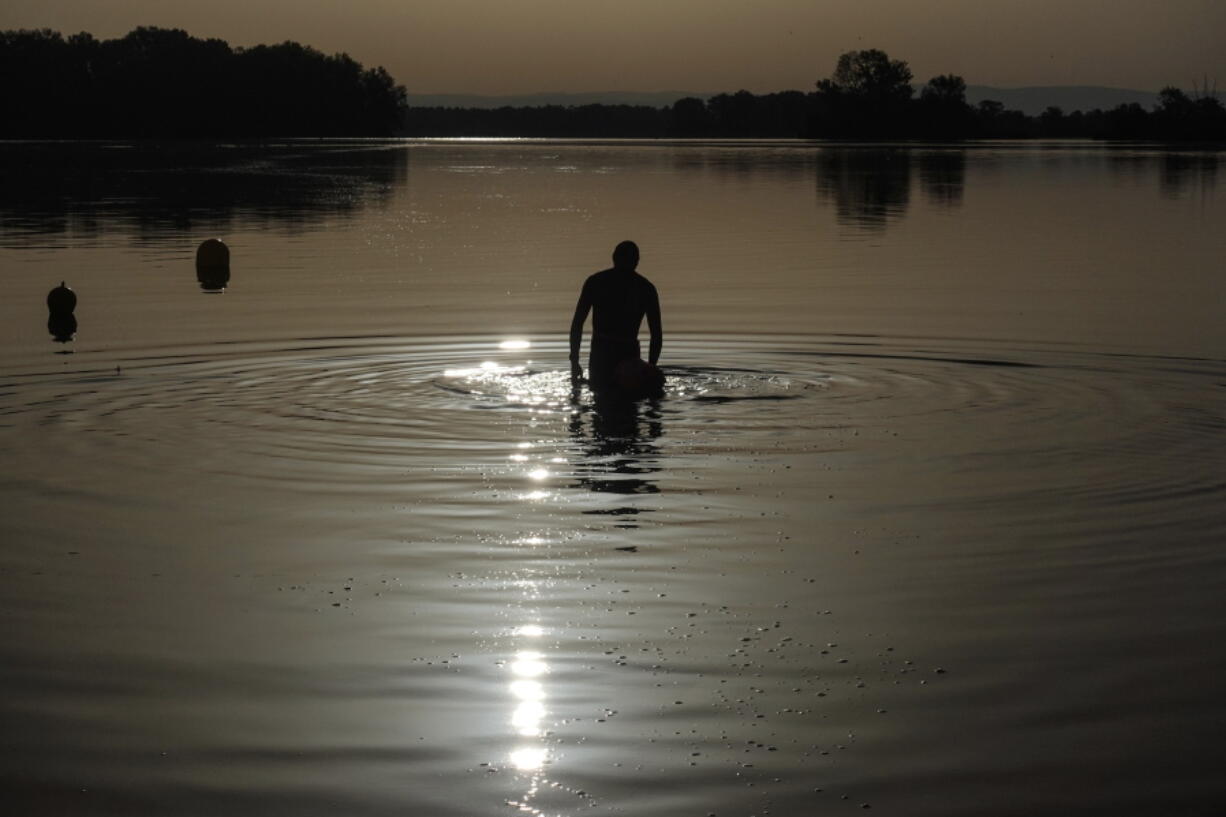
528 664
529 758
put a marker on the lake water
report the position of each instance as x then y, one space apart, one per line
930 519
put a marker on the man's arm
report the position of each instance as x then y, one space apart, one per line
582 307
657 331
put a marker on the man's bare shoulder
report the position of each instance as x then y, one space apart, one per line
617 280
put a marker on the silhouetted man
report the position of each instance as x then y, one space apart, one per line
619 298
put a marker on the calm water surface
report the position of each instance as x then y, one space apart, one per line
930 519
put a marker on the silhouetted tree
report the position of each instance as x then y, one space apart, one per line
690 117
1128 121
945 89
785 114
157 82
867 95
1179 116
734 114
942 109
1052 121
870 75
996 122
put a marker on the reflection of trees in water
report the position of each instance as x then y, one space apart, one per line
745 160
155 190
942 176
1181 172
619 456
869 187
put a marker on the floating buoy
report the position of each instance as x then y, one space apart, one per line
61 300
61 323
213 265
212 254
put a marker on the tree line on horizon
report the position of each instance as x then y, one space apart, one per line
869 96
164 83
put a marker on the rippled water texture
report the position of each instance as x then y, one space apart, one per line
929 519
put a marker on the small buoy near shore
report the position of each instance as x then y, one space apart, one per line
61 323
61 300
213 265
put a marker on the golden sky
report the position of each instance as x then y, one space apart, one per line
521 46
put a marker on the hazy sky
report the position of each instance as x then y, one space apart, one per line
518 46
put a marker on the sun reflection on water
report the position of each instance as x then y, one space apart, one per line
515 343
527 688
529 758
541 390
488 371
528 664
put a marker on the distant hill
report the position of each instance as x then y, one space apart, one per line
1031 100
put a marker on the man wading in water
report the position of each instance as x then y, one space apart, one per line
618 298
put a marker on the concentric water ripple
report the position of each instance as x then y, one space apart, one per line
331 412
401 502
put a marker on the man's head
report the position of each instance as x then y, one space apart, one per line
626 256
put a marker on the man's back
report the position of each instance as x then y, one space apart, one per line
620 299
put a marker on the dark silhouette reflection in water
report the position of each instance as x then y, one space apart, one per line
942 175
104 191
213 279
63 329
869 187
616 440
1183 173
